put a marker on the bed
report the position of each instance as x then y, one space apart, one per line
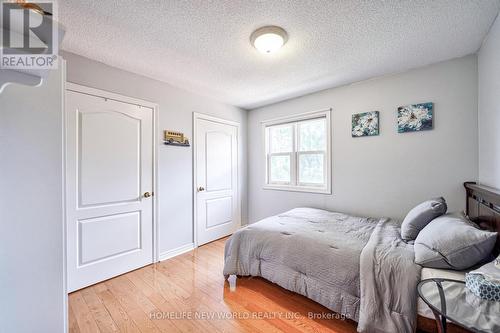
356 266
482 207
342 262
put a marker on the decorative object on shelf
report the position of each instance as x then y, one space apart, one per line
415 117
365 124
174 138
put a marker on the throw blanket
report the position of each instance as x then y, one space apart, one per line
389 278
317 253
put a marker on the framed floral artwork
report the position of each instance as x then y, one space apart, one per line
365 124
415 117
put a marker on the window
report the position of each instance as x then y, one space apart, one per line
298 153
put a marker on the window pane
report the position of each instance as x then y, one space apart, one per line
312 135
281 139
311 168
280 168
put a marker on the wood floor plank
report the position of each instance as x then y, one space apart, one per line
119 315
188 293
205 292
259 325
85 320
99 312
72 324
159 299
100 287
293 313
150 302
297 303
136 306
184 305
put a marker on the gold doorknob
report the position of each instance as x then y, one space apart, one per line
147 195
201 189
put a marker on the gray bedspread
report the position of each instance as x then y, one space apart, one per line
323 255
389 278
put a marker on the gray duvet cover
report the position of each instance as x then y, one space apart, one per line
343 262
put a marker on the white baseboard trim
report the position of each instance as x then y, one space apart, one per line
175 252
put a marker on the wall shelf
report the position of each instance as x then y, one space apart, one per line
176 144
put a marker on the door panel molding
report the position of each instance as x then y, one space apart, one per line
86 229
217 202
214 138
132 194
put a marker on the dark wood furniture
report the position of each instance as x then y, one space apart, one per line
483 208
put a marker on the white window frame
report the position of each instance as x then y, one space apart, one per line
294 184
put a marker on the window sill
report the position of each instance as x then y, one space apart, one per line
304 189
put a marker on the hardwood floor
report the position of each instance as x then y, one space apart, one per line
189 294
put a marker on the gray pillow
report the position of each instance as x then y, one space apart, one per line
451 241
420 216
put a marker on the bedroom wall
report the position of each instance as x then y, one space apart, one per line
388 174
175 163
32 262
489 108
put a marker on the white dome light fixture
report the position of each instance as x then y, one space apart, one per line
268 39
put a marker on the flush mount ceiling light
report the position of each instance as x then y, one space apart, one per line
268 39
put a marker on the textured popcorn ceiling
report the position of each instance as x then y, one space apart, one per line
203 46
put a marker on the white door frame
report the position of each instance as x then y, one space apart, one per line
196 117
141 103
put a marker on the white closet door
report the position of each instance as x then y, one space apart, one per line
109 186
217 200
